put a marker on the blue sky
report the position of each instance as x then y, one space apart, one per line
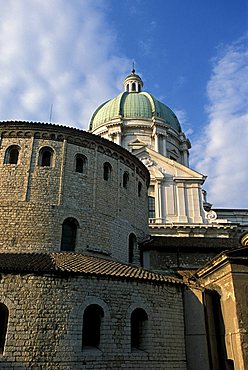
192 55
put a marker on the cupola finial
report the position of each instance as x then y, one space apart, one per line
133 70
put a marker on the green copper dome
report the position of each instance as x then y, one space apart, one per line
133 104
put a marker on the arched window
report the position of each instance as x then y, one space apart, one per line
12 154
133 86
139 329
139 88
69 234
4 314
132 243
125 179
81 163
139 188
107 169
46 157
92 320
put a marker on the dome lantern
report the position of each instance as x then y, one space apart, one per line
133 82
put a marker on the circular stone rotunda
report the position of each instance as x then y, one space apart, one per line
66 189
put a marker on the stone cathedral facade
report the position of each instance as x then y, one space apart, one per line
110 255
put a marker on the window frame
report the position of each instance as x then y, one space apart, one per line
151 207
139 326
125 180
63 243
92 322
9 150
83 158
43 150
107 171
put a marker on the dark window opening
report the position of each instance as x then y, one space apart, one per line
133 86
127 88
92 320
151 207
4 314
69 234
81 162
12 154
138 329
107 169
132 243
125 179
139 87
139 188
215 331
46 155
230 364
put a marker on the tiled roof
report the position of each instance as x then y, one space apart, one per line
80 264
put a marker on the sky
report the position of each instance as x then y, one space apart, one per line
64 58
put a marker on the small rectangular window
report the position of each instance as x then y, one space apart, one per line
151 207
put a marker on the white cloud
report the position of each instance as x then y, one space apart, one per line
57 52
222 151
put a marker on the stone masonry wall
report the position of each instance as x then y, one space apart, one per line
35 200
46 319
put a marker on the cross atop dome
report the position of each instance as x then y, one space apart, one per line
133 82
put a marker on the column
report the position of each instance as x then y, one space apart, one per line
156 142
194 203
165 145
181 209
158 200
118 138
197 194
185 158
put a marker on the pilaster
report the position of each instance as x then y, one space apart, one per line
181 207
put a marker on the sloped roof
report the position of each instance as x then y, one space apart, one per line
80 264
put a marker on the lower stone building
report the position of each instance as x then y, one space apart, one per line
71 311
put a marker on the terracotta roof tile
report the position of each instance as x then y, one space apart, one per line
75 263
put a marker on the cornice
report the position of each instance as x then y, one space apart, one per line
55 132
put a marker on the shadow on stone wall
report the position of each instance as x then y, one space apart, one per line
205 331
